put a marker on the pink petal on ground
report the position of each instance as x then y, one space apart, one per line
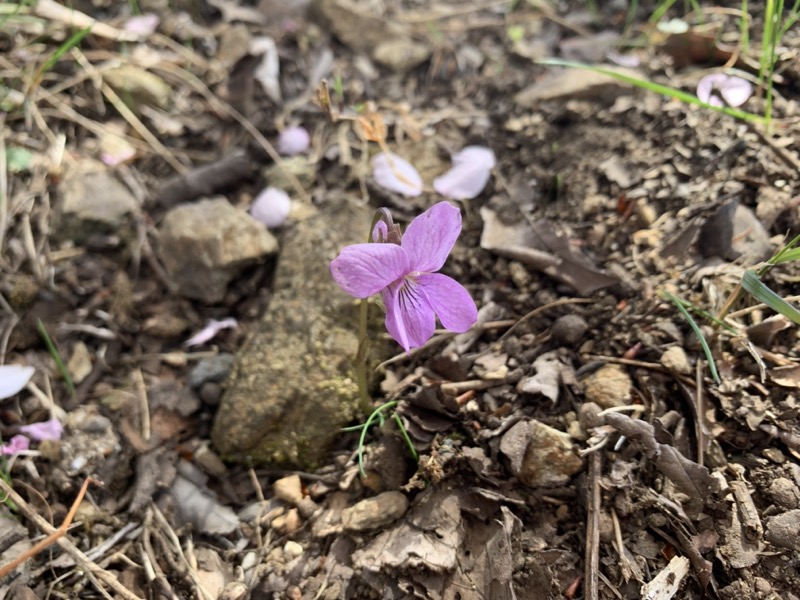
476 156
271 207
736 91
396 174
13 378
293 140
430 237
624 60
212 328
17 444
51 429
142 25
471 169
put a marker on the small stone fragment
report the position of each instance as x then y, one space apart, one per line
784 530
287 523
539 455
375 512
784 493
569 329
289 489
675 359
137 86
292 549
214 369
207 244
80 362
609 386
235 590
93 202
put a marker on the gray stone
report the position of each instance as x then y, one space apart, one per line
214 369
375 512
292 387
569 329
93 202
784 530
207 244
539 455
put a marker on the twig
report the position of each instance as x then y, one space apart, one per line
592 565
97 574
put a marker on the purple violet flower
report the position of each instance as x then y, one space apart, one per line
404 269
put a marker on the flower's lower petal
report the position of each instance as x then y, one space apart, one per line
430 237
409 316
362 270
450 301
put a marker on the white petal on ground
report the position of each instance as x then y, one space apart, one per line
268 72
469 175
142 25
396 174
736 91
293 140
271 207
212 328
13 378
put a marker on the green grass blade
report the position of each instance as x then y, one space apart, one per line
51 347
712 366
763 294
68 45
653 87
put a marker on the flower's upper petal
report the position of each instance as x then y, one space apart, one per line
409 315
17 444
365 269
450 301
480 157
430 237
45 430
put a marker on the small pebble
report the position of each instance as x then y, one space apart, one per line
569 329
375 512
287 523
609 386
292 549
215 369
289 489
675 359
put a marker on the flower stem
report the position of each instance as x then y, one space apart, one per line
361 359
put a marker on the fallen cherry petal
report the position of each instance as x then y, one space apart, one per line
471 169
271 207
212 328
396 174
17 444
734 90
45 430
142 25
293 140
13 378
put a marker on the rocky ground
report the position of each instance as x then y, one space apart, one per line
575 443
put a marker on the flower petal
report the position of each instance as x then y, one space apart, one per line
212 328
293 140
396 174
450 301
462 182
13 378
365 269
17 444
480 157
409 316
430 237
271 207
45 430
736 90
708 84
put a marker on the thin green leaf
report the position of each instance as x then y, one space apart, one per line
712 366
51 347
763 294
653 87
